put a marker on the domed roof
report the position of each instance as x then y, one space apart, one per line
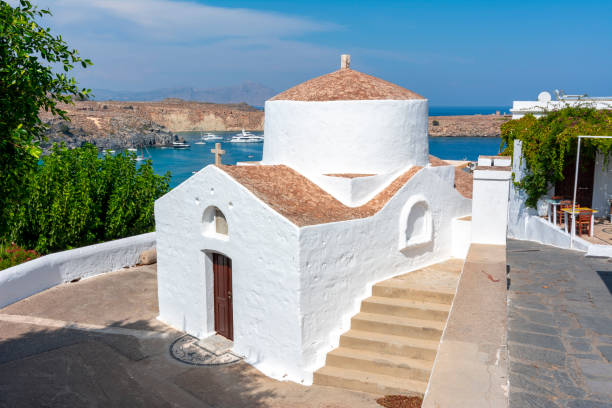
346 85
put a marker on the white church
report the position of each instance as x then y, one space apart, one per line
278 255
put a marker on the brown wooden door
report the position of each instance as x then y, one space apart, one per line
224 316
584 192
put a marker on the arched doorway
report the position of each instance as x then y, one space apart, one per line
222 282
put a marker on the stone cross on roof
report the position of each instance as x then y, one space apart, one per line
218 153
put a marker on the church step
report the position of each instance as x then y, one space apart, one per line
389 344
395 289
405 308
379 363
368 382
398 326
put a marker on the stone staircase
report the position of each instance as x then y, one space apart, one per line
393 341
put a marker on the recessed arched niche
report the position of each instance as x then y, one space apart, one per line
214 223
416 223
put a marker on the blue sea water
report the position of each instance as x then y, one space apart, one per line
183 163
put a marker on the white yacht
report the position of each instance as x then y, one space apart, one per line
246 137
180 145
211 136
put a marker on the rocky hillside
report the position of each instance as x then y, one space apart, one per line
112 125
472 125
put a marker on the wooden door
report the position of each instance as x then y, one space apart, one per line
584 192
224 316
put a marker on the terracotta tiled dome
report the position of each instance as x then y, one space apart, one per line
345 85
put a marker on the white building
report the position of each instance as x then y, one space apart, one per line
278 255
546 104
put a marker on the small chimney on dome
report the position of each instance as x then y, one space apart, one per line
345 61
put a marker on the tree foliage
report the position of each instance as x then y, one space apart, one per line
34 66
549 144
76 198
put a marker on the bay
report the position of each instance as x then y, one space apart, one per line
183 163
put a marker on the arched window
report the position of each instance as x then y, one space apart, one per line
214 222
416 224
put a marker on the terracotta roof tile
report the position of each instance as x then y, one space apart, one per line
346 85
302 201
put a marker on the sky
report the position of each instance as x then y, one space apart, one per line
455 53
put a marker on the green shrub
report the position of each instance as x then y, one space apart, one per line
435 123
11 255
76 198
549 144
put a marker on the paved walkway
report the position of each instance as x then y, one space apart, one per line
560 328
96 343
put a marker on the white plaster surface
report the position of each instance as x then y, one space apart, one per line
490 206
364 136
21 281
294 289
263 247
356 191
539 108
462 237
339 262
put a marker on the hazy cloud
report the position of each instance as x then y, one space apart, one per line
146 44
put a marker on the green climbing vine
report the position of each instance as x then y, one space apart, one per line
549 144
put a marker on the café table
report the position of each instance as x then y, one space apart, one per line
568 211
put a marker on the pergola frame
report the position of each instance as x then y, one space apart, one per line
573 217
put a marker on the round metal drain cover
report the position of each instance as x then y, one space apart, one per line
186 350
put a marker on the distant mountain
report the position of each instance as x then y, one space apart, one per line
250 92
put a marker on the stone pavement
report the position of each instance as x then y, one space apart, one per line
560 328
96 343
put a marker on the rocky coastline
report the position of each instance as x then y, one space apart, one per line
120 125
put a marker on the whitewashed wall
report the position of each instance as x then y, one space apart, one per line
490 206
524 223
539 108
339 262
42 273
370 136
263 247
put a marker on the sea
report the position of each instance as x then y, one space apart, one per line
182 164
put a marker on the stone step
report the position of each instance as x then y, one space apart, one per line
398 326
379 363
395 288
388 344
368 382
406 308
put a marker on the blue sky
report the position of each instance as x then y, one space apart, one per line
452 52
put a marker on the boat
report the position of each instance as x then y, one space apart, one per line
180 145
211 136
246 137
131 149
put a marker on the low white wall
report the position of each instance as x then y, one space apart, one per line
26 279
364 136
339 262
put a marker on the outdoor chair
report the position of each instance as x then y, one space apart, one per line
583 222
565 204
